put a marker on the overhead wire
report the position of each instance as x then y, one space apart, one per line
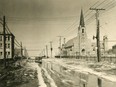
74 24
8 31
89 20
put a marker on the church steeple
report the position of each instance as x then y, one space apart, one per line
82 23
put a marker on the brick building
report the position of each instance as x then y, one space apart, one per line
9 46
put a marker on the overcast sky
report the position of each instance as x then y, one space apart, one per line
37 22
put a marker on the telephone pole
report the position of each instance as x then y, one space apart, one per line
21 49
98 32
60 38
46 51
4 40
64 41
51 48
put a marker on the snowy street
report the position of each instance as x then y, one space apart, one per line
76 73
44 79
57 43
53 79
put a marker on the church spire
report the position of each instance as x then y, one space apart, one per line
82 23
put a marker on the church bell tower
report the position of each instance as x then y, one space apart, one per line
82 36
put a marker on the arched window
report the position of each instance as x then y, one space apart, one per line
83 50
82 30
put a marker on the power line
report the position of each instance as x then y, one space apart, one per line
11 33
89 20
101 3
92 17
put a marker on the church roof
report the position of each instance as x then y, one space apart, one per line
82 23
71 42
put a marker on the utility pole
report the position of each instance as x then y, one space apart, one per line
25 52
51 48
79 45
98 32
21 49
60 37
64 41
4 40
46 51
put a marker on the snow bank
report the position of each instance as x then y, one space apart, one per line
52 83
80 66
40 78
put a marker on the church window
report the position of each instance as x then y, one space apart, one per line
82 30
83 50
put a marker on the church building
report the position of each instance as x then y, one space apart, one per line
79 45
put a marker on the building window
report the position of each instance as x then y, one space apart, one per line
8 53
0 53
0 45
8 45
82 30
0 38
7 38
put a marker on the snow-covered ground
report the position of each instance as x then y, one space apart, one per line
50 80
41 81
71 70
40 78
74 73
103 67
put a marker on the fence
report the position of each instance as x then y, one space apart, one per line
92 58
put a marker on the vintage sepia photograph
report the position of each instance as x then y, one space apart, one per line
57 43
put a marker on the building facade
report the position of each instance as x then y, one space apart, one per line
9 46
79 45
